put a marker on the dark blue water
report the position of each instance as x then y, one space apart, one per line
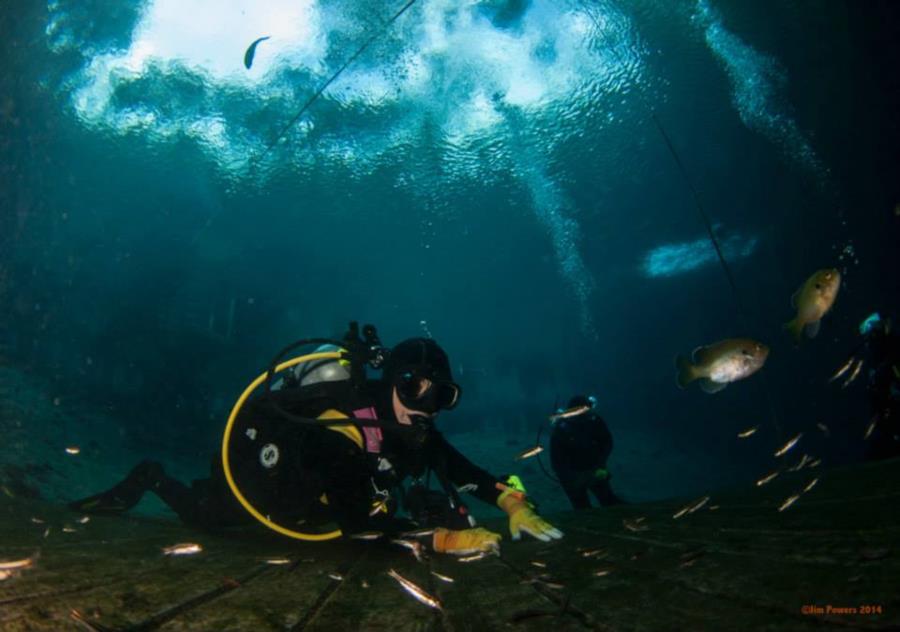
488 174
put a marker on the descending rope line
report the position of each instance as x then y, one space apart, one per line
255 159
742 312
333 77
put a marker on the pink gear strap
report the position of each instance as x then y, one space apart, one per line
372 434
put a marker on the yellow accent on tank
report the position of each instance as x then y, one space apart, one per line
351 432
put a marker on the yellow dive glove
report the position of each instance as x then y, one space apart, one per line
466 541
523 518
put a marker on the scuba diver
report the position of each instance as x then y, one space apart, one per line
325 446
579 447
881 348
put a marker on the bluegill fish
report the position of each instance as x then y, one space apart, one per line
813 300
721 363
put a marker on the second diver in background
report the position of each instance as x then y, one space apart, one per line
579 448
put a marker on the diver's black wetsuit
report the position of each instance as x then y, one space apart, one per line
578 447
283 468
883 389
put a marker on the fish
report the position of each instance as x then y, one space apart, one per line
570 412
73 449
473 558
790 501
824 429
68 529
603 572
184 548
691 508
277 561
634 525
713 507
768 477
538 564
813 300
721 363
336 577
871 427
443 578
364 584
843 369
418 533
418 594
412 545
810 485
803 461
84 520
595 553
816 463
17 565
787 446
530 452
853 375
251 51
367 535
37 521
748 432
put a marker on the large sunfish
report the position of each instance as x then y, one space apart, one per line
812 301
721 363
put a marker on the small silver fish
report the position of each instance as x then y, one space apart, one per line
824 429
68 529
844 368
787 446
853 375
871 428
184 548
748 432
367 535
530 452
553 585
595 553
37 521
418 533
277 561
336 577
569 413
364 584
768 477
468 487
46 532
418 594
811 484
603 572
443 578
538 564
816 463
73 449
634 525
473 558
790 501
713 507
17 565
799 466
691 508
412 545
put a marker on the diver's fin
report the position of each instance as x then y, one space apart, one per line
685 371
812 329
708 386
124 495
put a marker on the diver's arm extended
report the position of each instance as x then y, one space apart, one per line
461 471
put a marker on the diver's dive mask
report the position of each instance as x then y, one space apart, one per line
418 390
